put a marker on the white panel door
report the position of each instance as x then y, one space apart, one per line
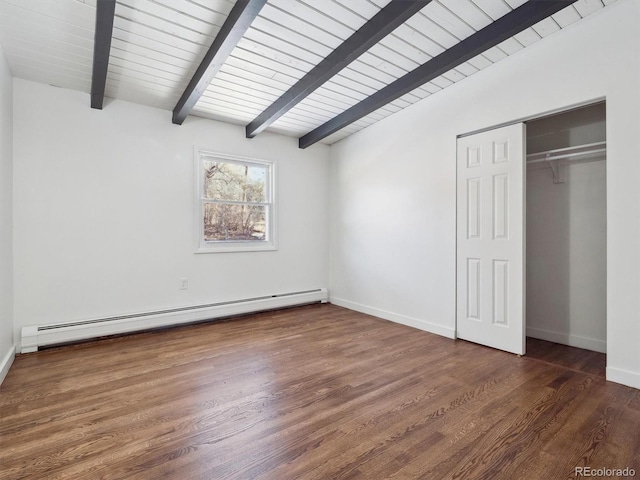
490 246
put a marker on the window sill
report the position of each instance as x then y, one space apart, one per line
234 247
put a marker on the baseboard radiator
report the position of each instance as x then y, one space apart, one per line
35 336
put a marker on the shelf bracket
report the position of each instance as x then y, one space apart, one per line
558 170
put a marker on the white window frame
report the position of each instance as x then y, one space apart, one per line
221 246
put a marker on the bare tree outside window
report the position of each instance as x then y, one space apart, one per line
236 200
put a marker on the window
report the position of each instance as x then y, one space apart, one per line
235 201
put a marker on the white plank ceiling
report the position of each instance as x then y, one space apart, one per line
158 44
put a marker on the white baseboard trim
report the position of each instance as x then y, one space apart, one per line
395 317
6 363
568 339
624 377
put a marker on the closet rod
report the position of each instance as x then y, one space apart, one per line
568 152
567 155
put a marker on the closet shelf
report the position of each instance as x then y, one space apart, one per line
589 149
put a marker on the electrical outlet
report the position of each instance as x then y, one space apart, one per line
184 284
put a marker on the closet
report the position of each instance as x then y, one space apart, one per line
566 228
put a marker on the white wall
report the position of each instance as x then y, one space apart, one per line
104 211
566 256
393 184
6 217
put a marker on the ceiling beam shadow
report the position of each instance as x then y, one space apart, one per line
239 20
379 26
105 10
505 27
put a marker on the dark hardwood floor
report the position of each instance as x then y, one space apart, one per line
316 392
585 361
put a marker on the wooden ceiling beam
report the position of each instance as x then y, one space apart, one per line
105 11
239 20
505 27
379 26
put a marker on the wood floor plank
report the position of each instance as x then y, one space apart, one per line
586 361
315 392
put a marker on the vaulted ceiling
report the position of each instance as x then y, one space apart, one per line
319 70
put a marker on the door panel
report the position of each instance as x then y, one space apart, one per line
490 246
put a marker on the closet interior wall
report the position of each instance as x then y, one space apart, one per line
566 230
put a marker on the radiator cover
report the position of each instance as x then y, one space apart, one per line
35 336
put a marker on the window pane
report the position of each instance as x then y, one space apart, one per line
234 222
234 182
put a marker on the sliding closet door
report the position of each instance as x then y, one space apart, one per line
490 246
